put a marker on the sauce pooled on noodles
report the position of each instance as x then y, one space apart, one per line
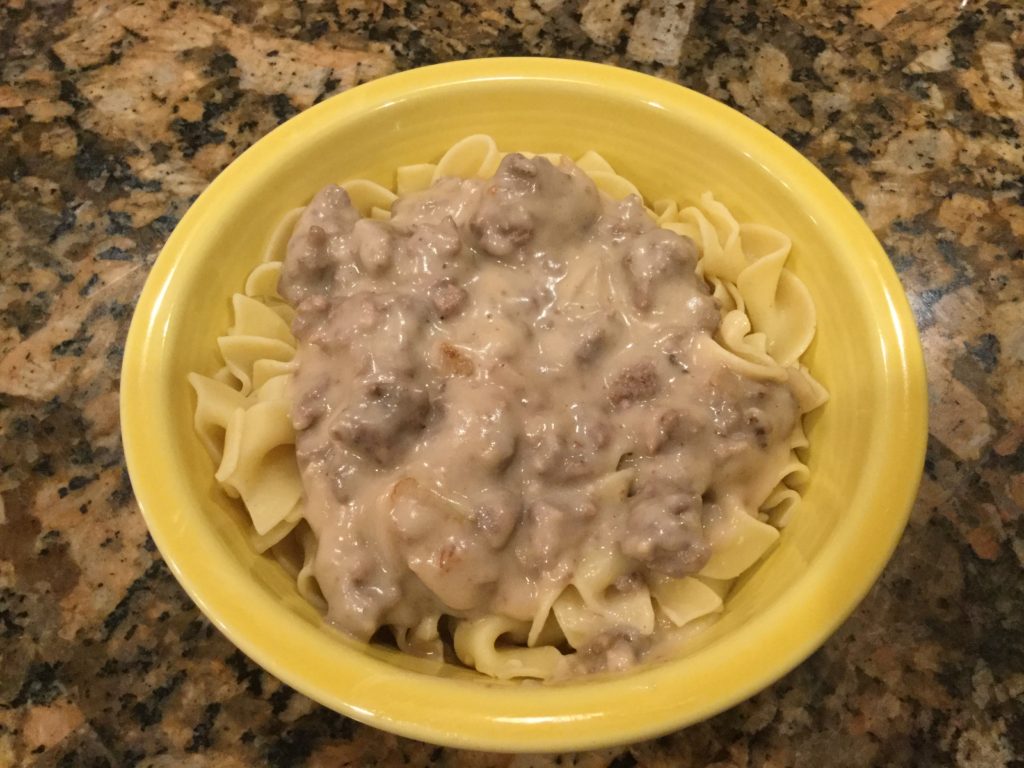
475 371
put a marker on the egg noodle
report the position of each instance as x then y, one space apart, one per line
243 418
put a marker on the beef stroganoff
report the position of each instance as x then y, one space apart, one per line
510 413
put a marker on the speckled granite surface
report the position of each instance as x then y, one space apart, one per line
114 115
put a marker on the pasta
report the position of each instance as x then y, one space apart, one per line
480 577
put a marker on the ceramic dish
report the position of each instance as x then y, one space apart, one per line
867 444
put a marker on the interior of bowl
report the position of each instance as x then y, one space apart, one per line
866 445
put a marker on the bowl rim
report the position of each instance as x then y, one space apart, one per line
523 718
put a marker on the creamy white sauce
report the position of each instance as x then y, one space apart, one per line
468 370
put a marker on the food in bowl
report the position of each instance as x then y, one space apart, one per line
524 420
867 445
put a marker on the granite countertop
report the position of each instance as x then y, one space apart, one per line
114 115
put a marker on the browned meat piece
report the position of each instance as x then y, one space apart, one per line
359 314
612 651
381 422
654 256
519 171
382 331
546 532
531 200
627 219
501 226
436 249
310 263
369 591
447 297
308 268
751 411
634 383
454 361
570 453
665 532
331 210
704 311
309 317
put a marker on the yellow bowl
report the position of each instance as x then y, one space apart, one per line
867 444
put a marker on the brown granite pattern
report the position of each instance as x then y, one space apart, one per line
114 115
